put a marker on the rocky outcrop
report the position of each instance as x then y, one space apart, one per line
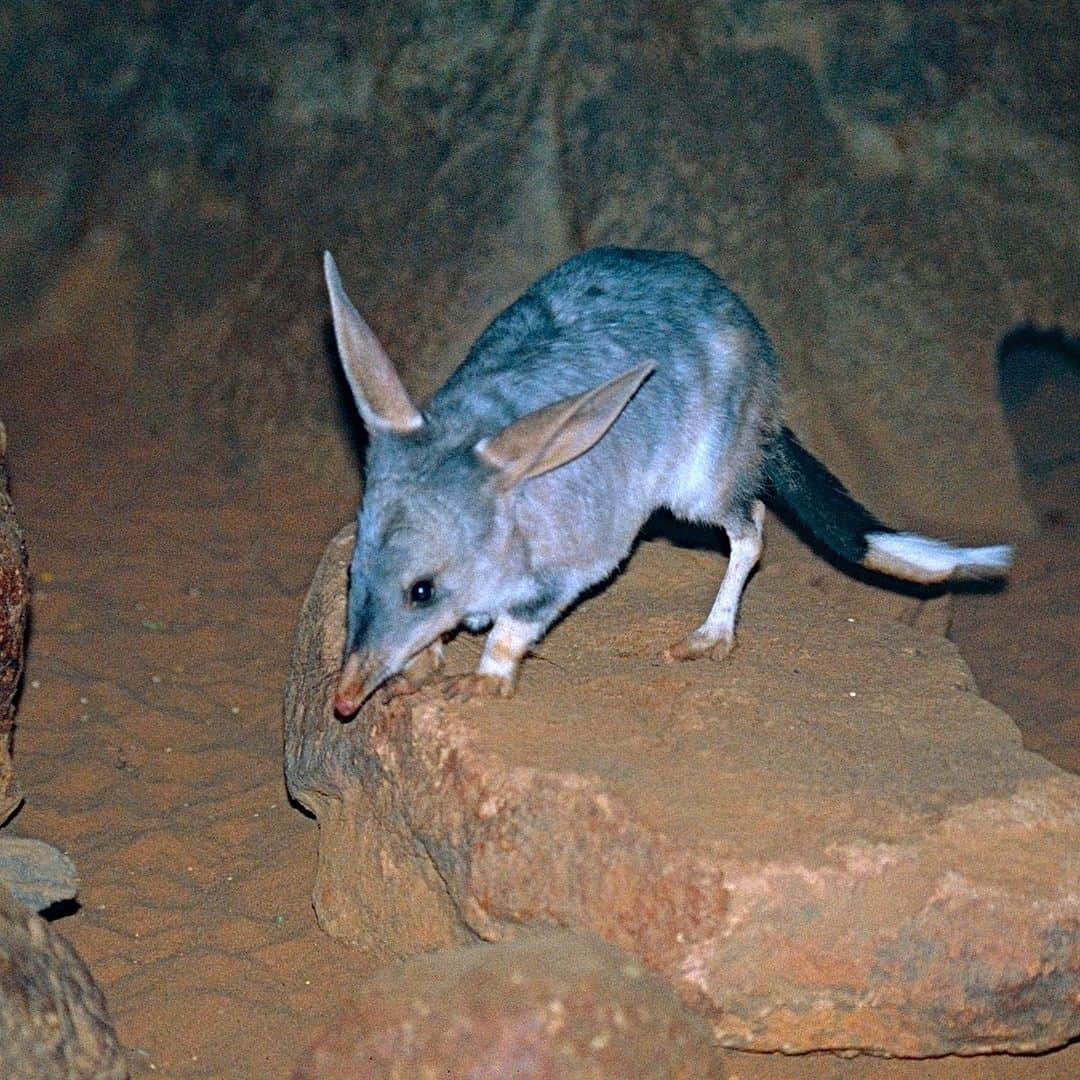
555 1004
14 597
827 841
53 1019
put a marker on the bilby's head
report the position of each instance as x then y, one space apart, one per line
434 541
423 563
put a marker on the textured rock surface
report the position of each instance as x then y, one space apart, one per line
14 596
828 841
53 1020
558 1004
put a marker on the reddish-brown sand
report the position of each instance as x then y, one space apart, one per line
149 737
149 728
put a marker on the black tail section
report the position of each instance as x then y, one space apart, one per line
818 499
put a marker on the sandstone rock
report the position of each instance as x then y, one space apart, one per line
557 1004
14 597
53 1019
827 841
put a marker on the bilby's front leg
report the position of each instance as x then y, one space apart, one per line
426 664
421 669
496 674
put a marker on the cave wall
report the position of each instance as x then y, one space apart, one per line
891 185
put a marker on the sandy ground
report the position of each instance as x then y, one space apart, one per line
149 736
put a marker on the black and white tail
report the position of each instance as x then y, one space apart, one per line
824 506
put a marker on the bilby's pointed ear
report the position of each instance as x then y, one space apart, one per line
558 433
382 401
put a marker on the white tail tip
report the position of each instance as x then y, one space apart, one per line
921 559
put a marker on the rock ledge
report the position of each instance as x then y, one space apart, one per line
827 842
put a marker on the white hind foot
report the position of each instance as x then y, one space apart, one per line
697 645
715 637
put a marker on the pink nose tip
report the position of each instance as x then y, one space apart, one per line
349 694
346 704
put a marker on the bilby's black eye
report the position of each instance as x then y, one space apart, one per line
421 592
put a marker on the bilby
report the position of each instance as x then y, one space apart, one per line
620 383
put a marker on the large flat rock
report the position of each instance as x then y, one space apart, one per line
829 840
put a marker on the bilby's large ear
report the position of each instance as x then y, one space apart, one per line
560 432
383 402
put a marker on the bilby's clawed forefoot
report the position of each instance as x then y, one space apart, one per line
620 383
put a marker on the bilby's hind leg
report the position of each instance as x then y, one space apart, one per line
715 637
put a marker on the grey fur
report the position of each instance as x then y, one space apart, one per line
679 409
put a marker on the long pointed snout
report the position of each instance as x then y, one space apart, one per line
360 676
